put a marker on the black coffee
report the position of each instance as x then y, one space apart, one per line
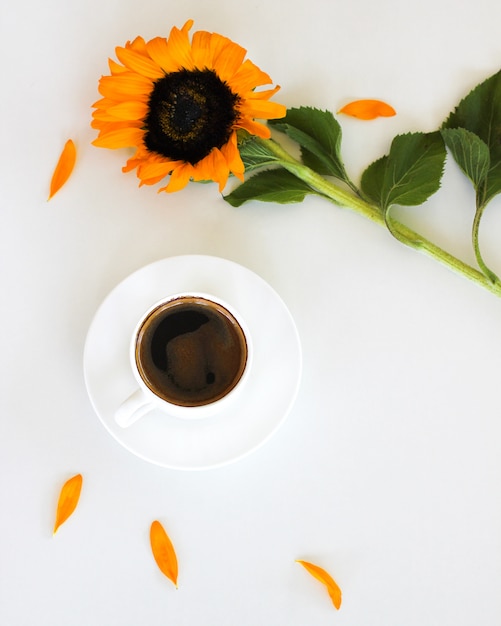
191 351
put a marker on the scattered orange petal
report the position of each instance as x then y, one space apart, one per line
325 578
64 167
368 109
68 500
163 551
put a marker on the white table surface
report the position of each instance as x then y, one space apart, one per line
387 470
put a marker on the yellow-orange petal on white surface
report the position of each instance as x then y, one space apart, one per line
64 167
68 500
368 109
324 577
163 551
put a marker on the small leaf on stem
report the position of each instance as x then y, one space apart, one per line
409 174
255 153
480 113
319 135
469 152
276 185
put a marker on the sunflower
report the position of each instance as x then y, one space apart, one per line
180 105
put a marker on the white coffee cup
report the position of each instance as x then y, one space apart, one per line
190 354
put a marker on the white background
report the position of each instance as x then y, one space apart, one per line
386 472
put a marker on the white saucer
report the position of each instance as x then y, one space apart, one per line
240 428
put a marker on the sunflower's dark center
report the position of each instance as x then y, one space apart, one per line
190 113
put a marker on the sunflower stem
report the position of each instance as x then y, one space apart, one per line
476 246
406 235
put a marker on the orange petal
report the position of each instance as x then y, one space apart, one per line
153 171
163 551
325 578
115 68
262 109
179 46
119 138
139 63
254 128
139 45
158 50
368 109
127 111
231 153
68 500
248 77
180 177
213 167
64 167
263 94
201 49
227 55
125 85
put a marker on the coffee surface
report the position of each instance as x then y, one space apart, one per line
191 351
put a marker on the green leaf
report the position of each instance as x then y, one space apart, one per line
319 135
469 152
276 185
480 113
409 174
255 154
372 181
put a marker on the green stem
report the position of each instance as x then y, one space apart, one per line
476 246
345 198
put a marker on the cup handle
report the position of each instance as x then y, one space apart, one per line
132 409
